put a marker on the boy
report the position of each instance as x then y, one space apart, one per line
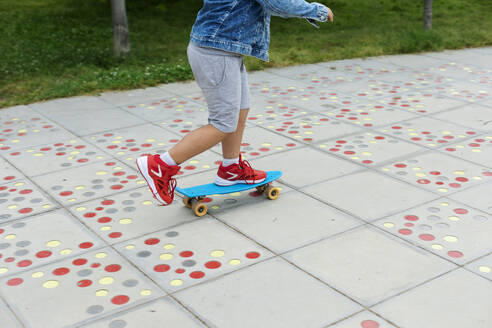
223 32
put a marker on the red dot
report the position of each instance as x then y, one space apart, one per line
110 163
400 165
461 179
460 211
252 255
107 202
115 235
411 217
79 262
9 259
116 187
186 254
25 210
86 245
24 263
89 214
84 283
113 268
43 254
104 220
291 145
423 181
162 268
95 265
2 231
180 271
212 264
120 299
455 254
15 281
427 237
405 231
369 324
83 160
197 274
25 191
66 193
454 185
61 271
206 200
152 241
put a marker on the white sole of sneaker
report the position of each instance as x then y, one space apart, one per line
223 182
144 170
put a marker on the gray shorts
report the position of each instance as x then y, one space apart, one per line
223 79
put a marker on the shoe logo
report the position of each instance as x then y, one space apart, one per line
233 176
158 174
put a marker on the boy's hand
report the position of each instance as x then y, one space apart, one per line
330 14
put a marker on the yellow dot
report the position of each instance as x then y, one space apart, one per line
38 154
166 256
420 175
206 166
215 207
437 246
101 255
116 168
323 146
10 237
101 292
101 173
235 194
66 251
80 209
46 206
389 224
106 280
145 292
417 168
217 253
194 162
72 200
385 169
140 182
444 204
454 218
235 262
3 270
484 268
79 187
168 246
51 284
18 184
442 190
146 202
53 243
450 239
105 228
125 221
38 274
151 140
366 153
130 247
477 178
12 207
176 282
459 172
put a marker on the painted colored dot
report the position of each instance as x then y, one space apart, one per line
24 263
180 271
113 268
38 274
61 271
95 265
212 264
169 246
252 255
162 268
176 282
86 245
460 211
115 235
79 262
455 254
217 253
484 269
43 254
405 231
411 217
166 256
389 224
451 239
197 274
427 237
15 281
101 292
66 193
51 284
146 292
25 210
152 241
100 255
369 324
235 262
120 299
186 254
66 251
106 280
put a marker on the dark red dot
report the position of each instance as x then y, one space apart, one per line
162 268
25 191
152 241
116 187
212 264
24 263
113 268
15 281
180 271
66 193
79 262
197 274
90 215
25 210
186 254
43 254
61 271
104 220
110 163
107 202
120 299
95 265
86 245
115 235
252 255
84 283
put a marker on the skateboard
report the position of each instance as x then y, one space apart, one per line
193 196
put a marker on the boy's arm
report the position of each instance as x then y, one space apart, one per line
295 8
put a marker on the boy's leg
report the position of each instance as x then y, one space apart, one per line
231 144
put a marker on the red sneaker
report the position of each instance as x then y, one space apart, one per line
158 176
238 173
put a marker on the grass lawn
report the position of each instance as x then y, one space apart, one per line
58 48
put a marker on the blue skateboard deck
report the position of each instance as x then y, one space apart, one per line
213 189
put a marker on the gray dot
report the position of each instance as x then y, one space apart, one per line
128 202
18 199
143 254
433 209
18 225
111 210
3 200
117 324
401 173
101 140
230 201
433 218
97 181
84 272
89 193
4 245
393 141
98 186
21 252
413 161
95 309
113 179
4 194
57 187
5 216
442 225
36 200
23 243
129 209
480 218
89 153
130 283
61 148
425 227
135 194
172 234
66 164
442 178
188 263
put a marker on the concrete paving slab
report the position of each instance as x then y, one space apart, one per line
443 302
445 227
72 105
265 111
476 197
76 289
482 266
477 150
8 172
369 195
41 239
7 318
192 253
289 299
367 265
473 116
365 319
119 98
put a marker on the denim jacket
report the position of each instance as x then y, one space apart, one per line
243 26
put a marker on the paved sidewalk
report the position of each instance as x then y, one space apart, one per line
384 220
